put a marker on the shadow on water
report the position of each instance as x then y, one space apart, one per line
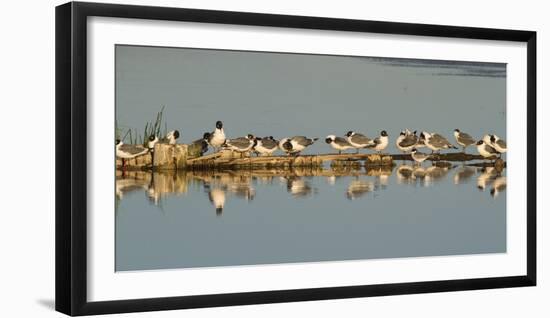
301 183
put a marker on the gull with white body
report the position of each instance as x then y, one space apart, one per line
436 142
380 143
125 152
266 146
485 150
296 144
338 143
217 138
171 137
463 139
418 156
358 141
498 144
406 141
240 144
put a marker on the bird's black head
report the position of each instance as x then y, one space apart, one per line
413 150
206 136
250 136
457 130
271 137
349 133
414 132
152 138
422 136
287 145
176 134
383 133
479 142
493 139
328 140
402 133
117 142
219 124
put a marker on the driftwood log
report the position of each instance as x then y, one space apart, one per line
184 157
167 157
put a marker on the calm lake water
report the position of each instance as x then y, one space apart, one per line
204 219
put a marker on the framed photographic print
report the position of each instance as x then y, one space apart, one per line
214 158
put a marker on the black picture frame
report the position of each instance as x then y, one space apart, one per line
71 157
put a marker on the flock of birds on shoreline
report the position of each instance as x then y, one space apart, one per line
407 142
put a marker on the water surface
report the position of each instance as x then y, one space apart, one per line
206 218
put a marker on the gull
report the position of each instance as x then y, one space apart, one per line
436 142
498 144
202 143
171 137
418 156
358 141
406 141
485 150
151 142
296 144
338 143
217 138
240 144
381 142
124 151
487 139
463 139
266 146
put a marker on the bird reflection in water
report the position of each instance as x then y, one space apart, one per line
414 175
487 176
381 174
124 186
499 185
434 174
359 188
216 196
419 173
404 174
299 187
464 174
220 186
331 180
242 188
152 194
